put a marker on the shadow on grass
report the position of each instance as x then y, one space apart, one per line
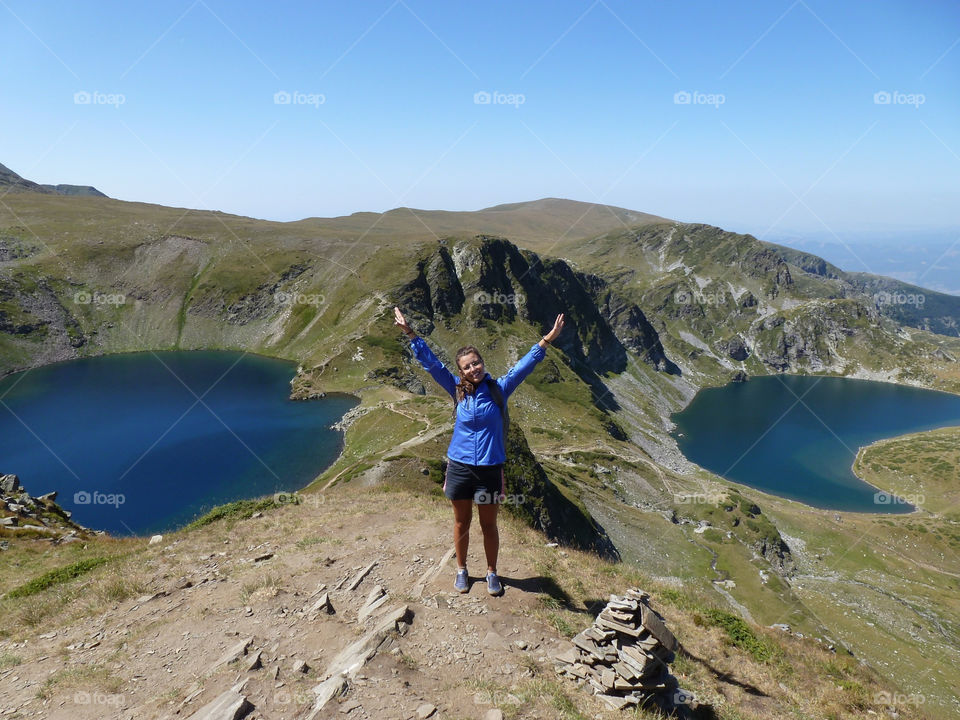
724 677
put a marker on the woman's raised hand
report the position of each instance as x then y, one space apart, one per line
401 321
557 327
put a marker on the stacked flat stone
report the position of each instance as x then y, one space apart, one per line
624 655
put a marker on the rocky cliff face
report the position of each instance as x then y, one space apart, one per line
490 279
435 295
36 313
814 337
905 304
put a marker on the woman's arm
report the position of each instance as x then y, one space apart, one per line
552 335
519 372
425 356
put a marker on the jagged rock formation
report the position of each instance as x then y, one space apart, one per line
22 514
490 279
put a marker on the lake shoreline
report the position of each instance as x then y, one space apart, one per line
162 418
797 458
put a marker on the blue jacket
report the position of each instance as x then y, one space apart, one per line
478 430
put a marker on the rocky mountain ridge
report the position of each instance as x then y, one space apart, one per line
13 182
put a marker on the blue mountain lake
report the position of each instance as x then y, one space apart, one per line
145 442
797 436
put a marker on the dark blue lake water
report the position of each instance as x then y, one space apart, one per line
797 437
145 442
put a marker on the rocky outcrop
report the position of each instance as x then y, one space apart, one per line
38 314
401 377
808 263
265 301
770 267
16 246
435 294
810 339
22 514
735 348
777 553
531 496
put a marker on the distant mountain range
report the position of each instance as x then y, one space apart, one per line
12 181
926 258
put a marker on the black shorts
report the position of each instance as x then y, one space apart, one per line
484 484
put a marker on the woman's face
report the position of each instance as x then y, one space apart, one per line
471 367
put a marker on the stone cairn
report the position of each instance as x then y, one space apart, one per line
624 655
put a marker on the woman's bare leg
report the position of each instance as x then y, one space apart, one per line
491 535
462 514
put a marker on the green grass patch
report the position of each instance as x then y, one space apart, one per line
56 577
240 510
9 660
741 636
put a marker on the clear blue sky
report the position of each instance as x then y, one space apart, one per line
798 143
